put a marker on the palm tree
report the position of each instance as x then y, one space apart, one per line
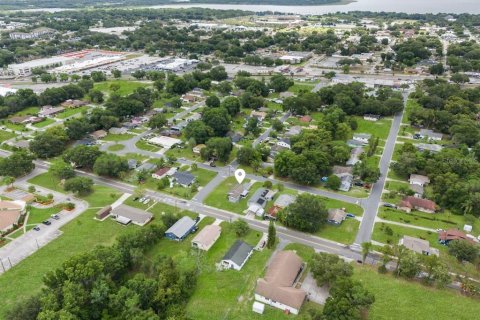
8 180
366 247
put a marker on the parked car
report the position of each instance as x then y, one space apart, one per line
142 199
56 216
389 205
146 201
46 222
212 164
36 228
350 215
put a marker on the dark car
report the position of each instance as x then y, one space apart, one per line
197 219
36 228
350 215
46 222
389 205
56 216
212 164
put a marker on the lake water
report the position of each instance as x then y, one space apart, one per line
408 6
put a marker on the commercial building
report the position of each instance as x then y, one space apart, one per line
34 34
10 213
164 142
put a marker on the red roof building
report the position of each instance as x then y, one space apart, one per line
424 205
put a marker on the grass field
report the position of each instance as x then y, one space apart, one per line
118 137
126 86
43 123
116 147
38 215
143 145
71 111
378 128
78 236
6 135
30 111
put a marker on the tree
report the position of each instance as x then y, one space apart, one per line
82 156
232 105
96 96
459 78
463 250
280 83
247 155
212 102
8 180
116 73
272 234
98 76
110 165
219 147
437 69
79 185
367 171
27 309
139 74
240 227
198 131
157 121
410 265
61 170
218 119
218 73
307 213
50 143
333 182
18 164
277 125
366 247
327 268
78 128
252 127
348 301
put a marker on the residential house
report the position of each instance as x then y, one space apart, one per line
164 142
284 143
336 216
73 103
418 179
188 98
371 117
284 200
236 137
355 156
147 166
238 192
259 115
25 119
286 94
418 190
163 172
419 246
237 255
362 137
181 229
198 148
49 111
115 130
445 236
354 143
132 164
427 147
346 177
424 205
293 131
125 214
20 144
429 135
99 134
10 214
207 237
277 288
183 178
305 119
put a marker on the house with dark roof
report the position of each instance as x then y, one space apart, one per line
147 166
277 287
181 229
183 178
237 255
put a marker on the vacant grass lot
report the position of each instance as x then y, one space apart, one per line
143 145
125 86
44 123
116 147
118 137
38 215
71 111
6 135
378 128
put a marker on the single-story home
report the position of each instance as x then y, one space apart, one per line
433 148
198 148
258 198
125 214
424 205
238 192
163 172
336 216
445 236
183 178
417 189
346 177
284 200
362 137
20 144
419 180
25 119
73 103
147 166
419 246
305 119
259 115
429 135
164 142
354 156
10 213
115 130
284 143
293 131
207 237
132 163
237 256
277 287
354 143
99 134
181 229
371 117
49 111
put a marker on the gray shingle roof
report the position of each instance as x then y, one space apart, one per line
181 227
238 253
183 177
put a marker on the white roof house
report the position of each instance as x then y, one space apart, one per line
206 238
165 142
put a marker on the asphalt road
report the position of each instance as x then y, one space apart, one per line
371 205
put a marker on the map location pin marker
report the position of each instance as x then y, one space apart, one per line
240 175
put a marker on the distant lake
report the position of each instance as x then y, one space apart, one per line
408 6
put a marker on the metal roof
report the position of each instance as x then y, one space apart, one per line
181 227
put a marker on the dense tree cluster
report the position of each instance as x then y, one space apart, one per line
414 50
307 213
464 56
113 282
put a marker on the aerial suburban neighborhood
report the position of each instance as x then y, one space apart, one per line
219 159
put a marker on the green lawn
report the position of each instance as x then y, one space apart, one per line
344 233
38 215
78 236
118 137
298 86
378 128
13 126
143 145
71 111
116 147
6 135
44 123
218 197
30 111
381 234
186 153
126 86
